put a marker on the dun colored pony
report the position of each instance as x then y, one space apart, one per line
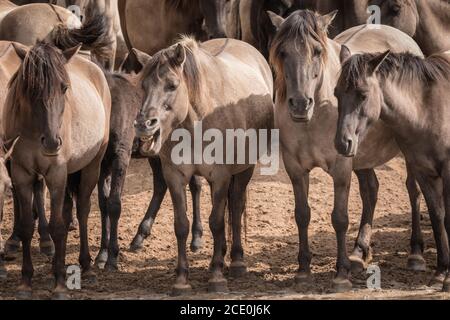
225 84
306 64
411 96
59 107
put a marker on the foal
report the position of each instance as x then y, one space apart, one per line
411 95
59 106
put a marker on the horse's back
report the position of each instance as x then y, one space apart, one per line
29 23
242 64
377 38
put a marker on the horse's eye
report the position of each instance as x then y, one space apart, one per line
317 51
363 96
171 87
167 107
64 88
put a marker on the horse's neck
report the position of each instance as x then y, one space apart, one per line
325 93
402 104
434 25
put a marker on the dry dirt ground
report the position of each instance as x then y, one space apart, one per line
271 245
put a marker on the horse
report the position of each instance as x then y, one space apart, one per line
30 23
151 26
428 22
410 95
92 37
220 84
59 106
126 102
306 65
117 49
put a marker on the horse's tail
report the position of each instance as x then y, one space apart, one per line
93 35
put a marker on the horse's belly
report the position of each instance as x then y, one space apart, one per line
87 134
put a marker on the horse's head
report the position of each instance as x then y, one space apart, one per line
215 14
170 81
298 54
400 14
360 99
40 85
78 7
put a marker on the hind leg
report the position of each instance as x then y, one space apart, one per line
416 262
368 186
197 230
159 192
237 199
104 187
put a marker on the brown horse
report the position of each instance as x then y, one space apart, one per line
428 22
411 96
59 105
306 64
222 84
152 25
30 23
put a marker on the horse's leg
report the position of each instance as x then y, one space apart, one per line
432 190
159 191
88 181
104 188
342 176
59 227
446 189
114 205
12 245
24 192
300 183
219 190
368 188
416 262
197 230
178 194
3 273
237 199
45 241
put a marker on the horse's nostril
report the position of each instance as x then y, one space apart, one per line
151 123
349 145
291 102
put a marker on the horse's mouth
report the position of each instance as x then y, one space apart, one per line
50 154
300 118
150 145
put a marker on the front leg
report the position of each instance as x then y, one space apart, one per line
219 191
342 176
177 187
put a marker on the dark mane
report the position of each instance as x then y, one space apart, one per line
299 27
41 74
179 4
191 72
405 67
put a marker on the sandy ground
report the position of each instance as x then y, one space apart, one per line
271 245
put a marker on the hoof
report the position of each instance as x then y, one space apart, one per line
446 287
111 267
196 245
341 285
437 279
90 277
47 248
3 273
60 296
303 282
12 248
179 290
101 259
137 244
218 285
417 263
358 265
24 294
238 269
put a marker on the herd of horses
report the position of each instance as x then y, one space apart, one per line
84 91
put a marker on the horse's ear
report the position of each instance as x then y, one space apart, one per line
326 20
10 149
276 20
345 54
376 62
21 50
180 55
135 61
70 53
